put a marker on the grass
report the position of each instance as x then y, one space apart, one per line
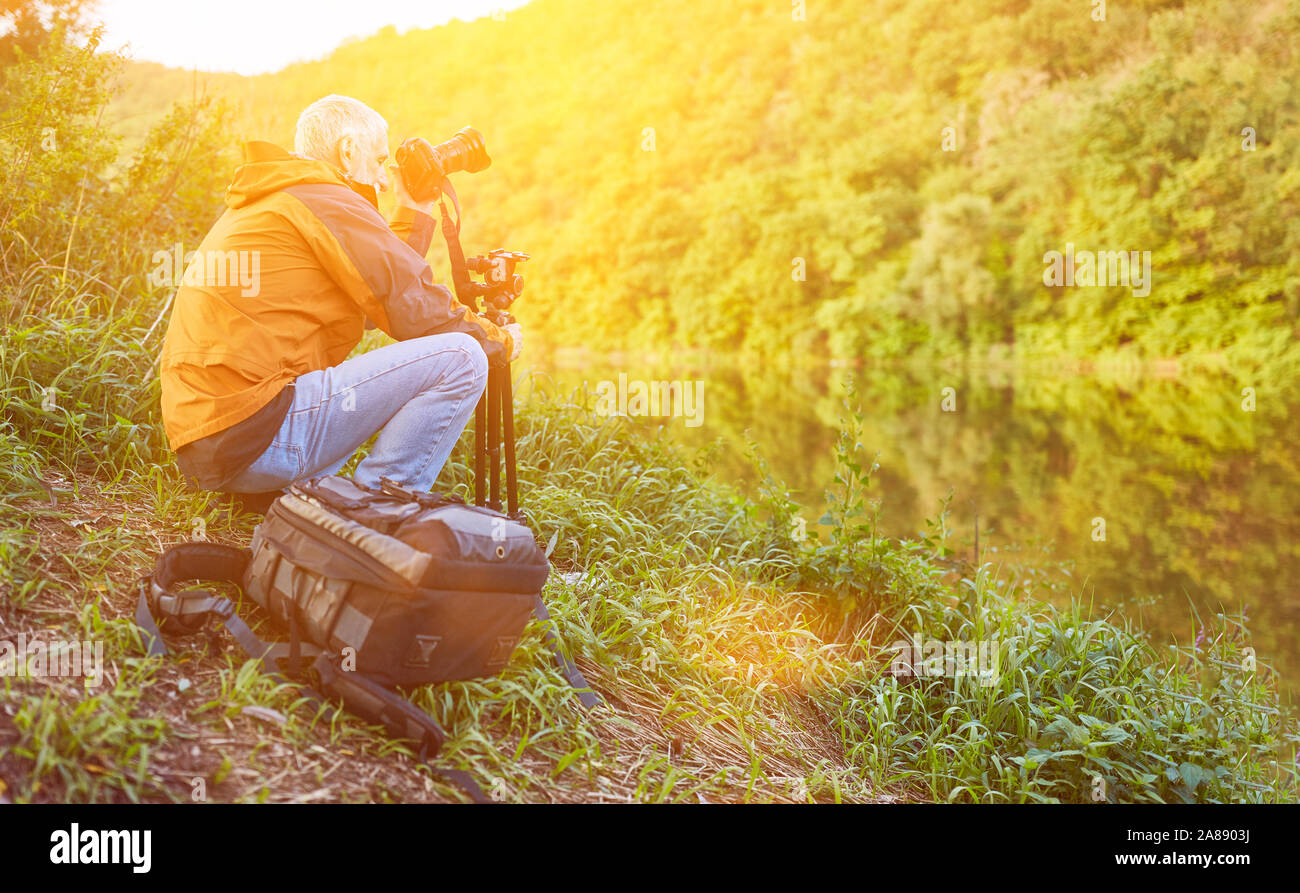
1080 709
738 661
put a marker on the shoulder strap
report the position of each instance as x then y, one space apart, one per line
567 666
402 719
183 613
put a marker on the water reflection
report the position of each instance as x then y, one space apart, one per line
1198 495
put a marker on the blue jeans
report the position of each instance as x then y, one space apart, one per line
417 394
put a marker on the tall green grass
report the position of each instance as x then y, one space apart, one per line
1080 710
738 660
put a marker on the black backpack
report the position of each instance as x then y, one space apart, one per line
377 590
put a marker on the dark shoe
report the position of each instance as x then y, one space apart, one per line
254 503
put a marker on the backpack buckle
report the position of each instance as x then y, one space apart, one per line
392 488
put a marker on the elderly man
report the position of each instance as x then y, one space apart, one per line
256 389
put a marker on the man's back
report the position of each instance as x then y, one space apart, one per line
232 345
325 261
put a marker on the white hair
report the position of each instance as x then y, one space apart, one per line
326 121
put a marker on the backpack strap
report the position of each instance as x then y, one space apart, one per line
567 666
185 613
370 700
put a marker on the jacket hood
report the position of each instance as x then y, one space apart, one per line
267 168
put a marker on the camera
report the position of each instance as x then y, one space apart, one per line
425 166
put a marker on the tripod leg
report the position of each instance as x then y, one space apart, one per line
508 418
480 447
494 438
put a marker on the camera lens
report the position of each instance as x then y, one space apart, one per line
463 152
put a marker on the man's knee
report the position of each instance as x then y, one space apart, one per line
473 365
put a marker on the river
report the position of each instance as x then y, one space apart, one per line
1148 496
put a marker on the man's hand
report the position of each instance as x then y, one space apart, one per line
403 197
516 333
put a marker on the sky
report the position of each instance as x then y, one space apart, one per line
256 36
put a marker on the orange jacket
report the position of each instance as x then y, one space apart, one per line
324 260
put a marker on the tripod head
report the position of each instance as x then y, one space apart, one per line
501 285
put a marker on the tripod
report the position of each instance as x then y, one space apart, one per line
494 425
494 416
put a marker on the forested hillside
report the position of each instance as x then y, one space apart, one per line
670 172
674 179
